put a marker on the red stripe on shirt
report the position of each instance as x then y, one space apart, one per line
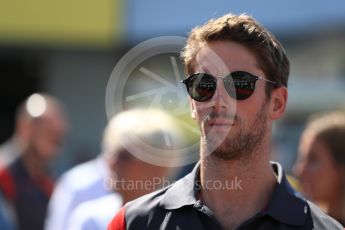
118 222
7 185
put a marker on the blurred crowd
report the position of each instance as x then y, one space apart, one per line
88 195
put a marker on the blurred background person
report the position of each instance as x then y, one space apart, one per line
136 130
81 183
25 183
87 195
321 162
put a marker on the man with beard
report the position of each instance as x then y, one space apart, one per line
237 82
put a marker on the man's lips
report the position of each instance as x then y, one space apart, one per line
221 123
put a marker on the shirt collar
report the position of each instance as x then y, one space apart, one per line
285 205
182 192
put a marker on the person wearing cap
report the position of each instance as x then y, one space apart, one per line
237 83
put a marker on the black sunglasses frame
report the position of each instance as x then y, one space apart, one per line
244 81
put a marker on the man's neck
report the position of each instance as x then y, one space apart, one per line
236 190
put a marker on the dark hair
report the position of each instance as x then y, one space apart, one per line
329 128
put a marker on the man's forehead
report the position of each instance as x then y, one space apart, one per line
208 61
221 58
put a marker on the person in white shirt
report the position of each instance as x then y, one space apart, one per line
95 214
81 183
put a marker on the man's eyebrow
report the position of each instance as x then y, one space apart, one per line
203 69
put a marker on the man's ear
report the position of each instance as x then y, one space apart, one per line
279 98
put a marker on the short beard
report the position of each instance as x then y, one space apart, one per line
247 140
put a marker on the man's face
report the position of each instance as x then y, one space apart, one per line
47 136
134 177
230 128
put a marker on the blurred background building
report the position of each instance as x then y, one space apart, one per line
69 49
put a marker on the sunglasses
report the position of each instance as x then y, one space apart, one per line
239 85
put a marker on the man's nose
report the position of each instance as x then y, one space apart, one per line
221 98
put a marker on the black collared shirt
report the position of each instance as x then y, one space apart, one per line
178 207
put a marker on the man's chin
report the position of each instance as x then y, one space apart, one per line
225 155
222 151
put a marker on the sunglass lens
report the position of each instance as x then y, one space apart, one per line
201 87
240 85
